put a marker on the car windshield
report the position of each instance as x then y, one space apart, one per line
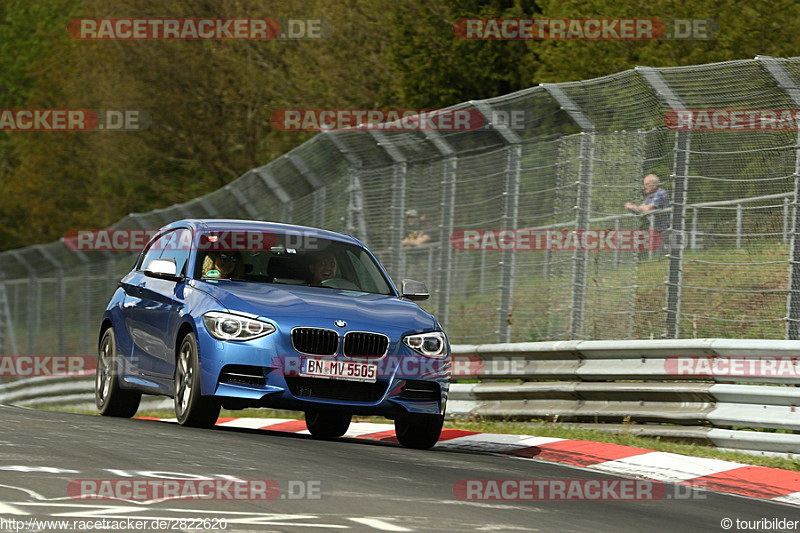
289 259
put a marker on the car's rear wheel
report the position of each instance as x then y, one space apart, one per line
192 408
327 424
418 431
109 397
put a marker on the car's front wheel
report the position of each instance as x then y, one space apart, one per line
418 431
327 424
109 397
191 408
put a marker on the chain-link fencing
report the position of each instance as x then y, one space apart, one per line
730 265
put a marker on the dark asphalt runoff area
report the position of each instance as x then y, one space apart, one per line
335 485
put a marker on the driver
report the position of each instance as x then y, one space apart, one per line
322 267
220 265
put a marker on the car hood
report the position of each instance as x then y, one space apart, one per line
302 304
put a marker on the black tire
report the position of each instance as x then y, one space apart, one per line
418 431
191 408
109 397
327 424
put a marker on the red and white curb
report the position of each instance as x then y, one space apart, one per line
713 474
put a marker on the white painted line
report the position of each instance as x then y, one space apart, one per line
44 469
489 442
666 466
365 428
254 423
10 509
381 525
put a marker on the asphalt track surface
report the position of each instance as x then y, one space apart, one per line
361 485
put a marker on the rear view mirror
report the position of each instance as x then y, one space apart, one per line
414 290
163 269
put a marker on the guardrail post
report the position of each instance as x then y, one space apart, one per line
676 237
584 199
789 85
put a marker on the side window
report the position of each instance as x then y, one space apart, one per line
153 252
177 245
174 244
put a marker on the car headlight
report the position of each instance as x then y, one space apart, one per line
431 344
228 327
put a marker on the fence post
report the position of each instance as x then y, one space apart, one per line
677 231
242 200
85 300
584 207
510 217
7 334
320 189
738 226
694 228
33 299
397 265
785 238
60 295
448 216
356 225
280 193
789 85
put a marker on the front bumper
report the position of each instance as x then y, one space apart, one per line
266 373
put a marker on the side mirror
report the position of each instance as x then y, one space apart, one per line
163 269
414 290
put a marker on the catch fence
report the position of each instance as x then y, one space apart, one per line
732 267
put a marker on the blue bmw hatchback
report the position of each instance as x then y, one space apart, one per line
236 314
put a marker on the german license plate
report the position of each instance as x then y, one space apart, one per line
333 369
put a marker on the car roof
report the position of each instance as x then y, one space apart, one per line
235 224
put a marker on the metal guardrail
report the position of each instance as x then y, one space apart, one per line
617 386
629 386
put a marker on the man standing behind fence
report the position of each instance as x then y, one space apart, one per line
657 198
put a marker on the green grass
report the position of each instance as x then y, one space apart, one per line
631 297
536 428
